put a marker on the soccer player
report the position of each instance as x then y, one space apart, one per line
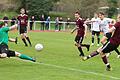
23 21
104 25
4 49
95 27
81 33
111 45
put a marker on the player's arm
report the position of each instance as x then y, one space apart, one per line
85 29
13 27
73 30
112 29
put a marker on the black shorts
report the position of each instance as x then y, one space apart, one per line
4 49
108 47
23 29
96 32
108 35
78 39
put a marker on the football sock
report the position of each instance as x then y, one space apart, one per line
105 60
92 39
94 54
28 40
22 56
98 39
81 52
108 65
117 51
24 42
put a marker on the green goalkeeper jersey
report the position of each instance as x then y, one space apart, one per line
4 35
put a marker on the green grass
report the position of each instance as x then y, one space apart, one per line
59 60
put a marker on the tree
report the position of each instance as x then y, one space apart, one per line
89 7
113 4
38 7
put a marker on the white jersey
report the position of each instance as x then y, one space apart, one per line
104 25
95 25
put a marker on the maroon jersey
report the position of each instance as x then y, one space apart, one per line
115 39
23 19
81 28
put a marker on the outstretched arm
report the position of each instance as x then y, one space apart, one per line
74 30
13 27
112 29
85 30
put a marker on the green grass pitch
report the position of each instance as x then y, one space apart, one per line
58 60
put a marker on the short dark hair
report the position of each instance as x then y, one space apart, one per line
101 13
77 13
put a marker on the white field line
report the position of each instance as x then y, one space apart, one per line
73 69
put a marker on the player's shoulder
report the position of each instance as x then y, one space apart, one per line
117 24
26 15
5 28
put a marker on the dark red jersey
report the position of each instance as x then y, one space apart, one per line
23 19
80 27
115 39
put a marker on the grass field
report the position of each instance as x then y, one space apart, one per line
58 60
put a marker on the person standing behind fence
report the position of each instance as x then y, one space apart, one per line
60 24
13 20
68 22
32 19
42 18
5 18
56 23
47 23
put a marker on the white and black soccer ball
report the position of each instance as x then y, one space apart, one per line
38 47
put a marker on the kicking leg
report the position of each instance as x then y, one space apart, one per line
21 56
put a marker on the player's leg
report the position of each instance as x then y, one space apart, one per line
118 52
23 39
21 56
84 45
77 43
95 53
106 49
108 35
93 34
28 39
98 38
105 60
21 31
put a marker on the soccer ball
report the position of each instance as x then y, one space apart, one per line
38 47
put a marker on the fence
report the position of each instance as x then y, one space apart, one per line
51 22
64 24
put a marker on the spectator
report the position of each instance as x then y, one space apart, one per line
42 18
68 24
32 19
13 20
47 23
5 18
60 24
56 23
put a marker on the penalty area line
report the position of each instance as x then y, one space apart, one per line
73 69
